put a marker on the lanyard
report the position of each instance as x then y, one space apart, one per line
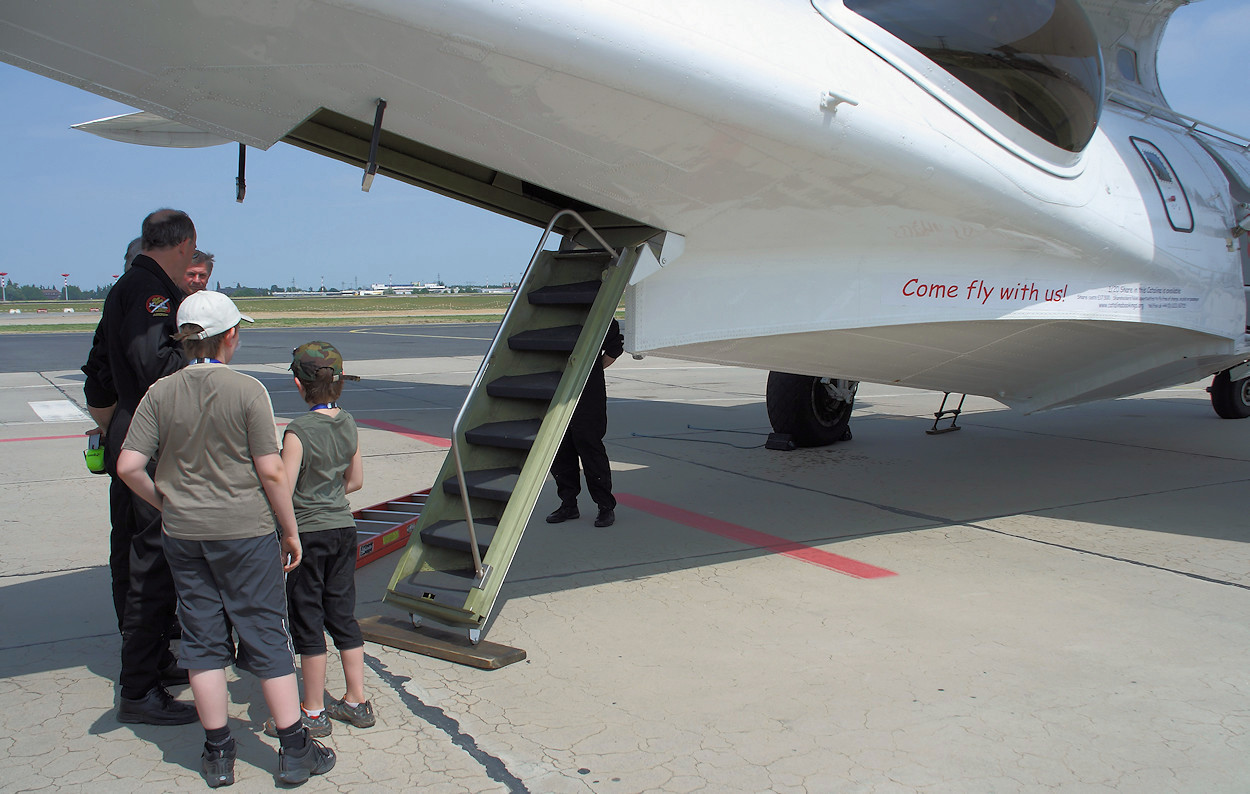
206 361
324 405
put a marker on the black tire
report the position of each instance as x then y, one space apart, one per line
802 407
1230 398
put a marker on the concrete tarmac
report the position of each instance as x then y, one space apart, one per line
1034 603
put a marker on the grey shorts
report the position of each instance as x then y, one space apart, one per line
225 583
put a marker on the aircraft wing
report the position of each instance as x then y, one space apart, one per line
150 129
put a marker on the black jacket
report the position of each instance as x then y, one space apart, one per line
132 348
590 417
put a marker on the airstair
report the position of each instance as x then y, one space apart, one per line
508 430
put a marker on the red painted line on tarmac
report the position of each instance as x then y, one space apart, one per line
43 438
751 537
403 431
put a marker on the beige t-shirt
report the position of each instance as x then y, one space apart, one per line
205 423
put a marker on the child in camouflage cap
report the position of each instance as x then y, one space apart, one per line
321 454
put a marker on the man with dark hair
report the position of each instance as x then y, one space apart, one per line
132 349
199 273
165 229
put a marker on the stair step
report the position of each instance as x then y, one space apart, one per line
582 255
449 588
374 527
516 434
539 386
453 534
582 293
559 340
414 508
389 516
496 484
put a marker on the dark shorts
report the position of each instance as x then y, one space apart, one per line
224 583
321 592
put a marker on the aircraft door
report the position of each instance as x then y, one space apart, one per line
1232 161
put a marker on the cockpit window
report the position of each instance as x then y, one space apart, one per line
1037 61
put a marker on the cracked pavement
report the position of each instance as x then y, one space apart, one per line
1068 611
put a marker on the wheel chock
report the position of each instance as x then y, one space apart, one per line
783 442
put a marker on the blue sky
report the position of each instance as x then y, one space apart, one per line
70 202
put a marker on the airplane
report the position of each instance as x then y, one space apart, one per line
986 197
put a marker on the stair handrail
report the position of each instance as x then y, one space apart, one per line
479 573
1164 113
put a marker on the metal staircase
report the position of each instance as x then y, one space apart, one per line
508 430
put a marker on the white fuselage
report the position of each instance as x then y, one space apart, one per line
885 238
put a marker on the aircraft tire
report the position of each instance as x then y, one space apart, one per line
802 407
1230 398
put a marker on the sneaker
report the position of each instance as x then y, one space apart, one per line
317 726
607 517
157 707
563 513
217 766
295 768
360 715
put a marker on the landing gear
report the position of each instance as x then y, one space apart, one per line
1230 398
814 411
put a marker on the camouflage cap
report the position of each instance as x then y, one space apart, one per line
311 357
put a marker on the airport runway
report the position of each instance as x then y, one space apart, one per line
67 350
1034 603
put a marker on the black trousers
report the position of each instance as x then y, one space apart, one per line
321 592
119 546
583 441
149 602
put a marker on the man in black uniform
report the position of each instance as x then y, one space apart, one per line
131 350
584 440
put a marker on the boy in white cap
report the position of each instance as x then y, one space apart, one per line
223 493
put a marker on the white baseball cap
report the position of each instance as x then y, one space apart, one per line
212 311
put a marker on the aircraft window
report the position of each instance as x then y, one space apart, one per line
1156 164
1126 62
1171 191
1037 61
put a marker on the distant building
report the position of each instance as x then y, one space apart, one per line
408 289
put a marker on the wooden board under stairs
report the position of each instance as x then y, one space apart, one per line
439 643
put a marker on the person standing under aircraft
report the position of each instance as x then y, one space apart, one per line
584 440
321 455
199 273
133 348
230 533
134 249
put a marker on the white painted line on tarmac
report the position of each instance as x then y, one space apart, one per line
57 411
